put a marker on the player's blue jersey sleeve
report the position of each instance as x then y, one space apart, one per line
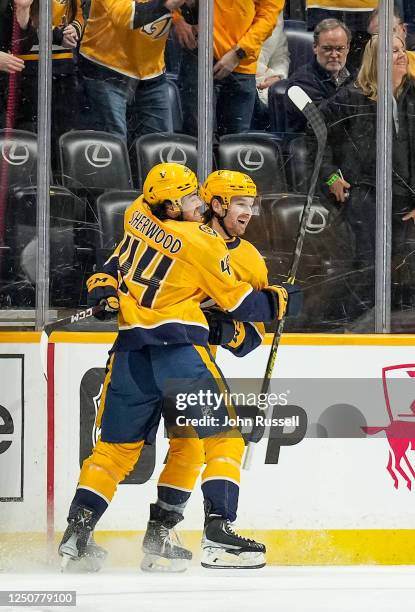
256 306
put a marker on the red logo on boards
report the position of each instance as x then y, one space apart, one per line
400 404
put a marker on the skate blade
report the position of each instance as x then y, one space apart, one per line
87 565
155 563
219 558
65 561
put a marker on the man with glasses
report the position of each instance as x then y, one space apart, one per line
322 77
353 13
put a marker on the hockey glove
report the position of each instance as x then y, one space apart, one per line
289 299
102 289
221 326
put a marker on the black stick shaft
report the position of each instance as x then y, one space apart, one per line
315 120
82 315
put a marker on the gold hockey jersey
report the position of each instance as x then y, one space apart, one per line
164 270
249 266
127 37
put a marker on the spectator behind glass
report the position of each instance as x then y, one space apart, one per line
9 63
240 28
122 61
67 23
273 64
399 28
351 148
353 13
325 74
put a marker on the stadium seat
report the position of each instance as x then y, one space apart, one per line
71 248
19 151
152 149
326 263
294 24
298 165
175 105
300 46
276 105
94 161
258 156
110 209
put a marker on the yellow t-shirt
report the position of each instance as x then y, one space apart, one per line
111 39
244 23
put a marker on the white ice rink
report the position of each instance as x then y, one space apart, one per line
287 589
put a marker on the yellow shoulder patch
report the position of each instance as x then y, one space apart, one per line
208 230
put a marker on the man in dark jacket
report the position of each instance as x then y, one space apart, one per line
322 77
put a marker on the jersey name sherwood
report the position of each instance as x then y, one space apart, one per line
142 224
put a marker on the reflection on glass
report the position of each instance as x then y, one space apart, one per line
17 155
116 112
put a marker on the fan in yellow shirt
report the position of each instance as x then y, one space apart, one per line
122 53
239 30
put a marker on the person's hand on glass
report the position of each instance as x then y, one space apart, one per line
10 63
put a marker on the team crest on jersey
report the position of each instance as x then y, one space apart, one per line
207 230
158 28
225 265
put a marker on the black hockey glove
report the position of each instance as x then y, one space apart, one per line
289 299
295 299
221 326
102 289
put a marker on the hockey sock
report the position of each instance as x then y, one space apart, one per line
88 499
172 499
221 497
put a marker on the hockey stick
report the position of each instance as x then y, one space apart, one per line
82 315
314 118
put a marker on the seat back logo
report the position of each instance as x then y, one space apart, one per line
15 154
173 153
250 159
98 155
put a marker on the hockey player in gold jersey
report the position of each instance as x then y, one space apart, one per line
157 277
230 199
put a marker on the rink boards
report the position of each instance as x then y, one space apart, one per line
323 498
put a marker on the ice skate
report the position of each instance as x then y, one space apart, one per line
222 548
78 544
161 554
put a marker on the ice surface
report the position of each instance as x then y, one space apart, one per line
288 589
